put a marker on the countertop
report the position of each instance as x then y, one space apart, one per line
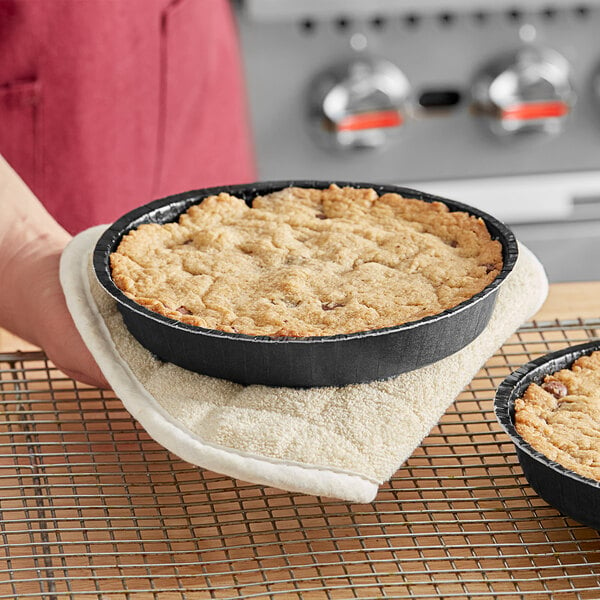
92 506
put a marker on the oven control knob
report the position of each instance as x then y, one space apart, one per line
528 91
360 104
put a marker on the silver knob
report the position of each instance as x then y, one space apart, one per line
359 104
527 91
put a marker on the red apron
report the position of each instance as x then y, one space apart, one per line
108 104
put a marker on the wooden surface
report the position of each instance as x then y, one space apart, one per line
92 507
10 342
565 301
571 301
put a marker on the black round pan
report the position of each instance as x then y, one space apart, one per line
334 360
574 495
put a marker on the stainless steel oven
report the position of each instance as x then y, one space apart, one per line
493 103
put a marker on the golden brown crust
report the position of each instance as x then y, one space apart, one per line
561 417
307 262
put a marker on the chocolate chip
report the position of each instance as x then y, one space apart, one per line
321 216
489 268
330 305
557 388
453 244
183 310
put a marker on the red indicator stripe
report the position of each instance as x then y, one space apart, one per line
535 110
370 120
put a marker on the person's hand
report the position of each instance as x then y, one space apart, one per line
55 331
44 318
32 303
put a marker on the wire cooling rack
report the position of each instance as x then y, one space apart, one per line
92 507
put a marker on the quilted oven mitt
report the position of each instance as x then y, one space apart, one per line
337 442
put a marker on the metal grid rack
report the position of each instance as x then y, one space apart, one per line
92 507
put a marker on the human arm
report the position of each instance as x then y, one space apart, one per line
32 304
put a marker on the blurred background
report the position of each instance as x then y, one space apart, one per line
492 103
